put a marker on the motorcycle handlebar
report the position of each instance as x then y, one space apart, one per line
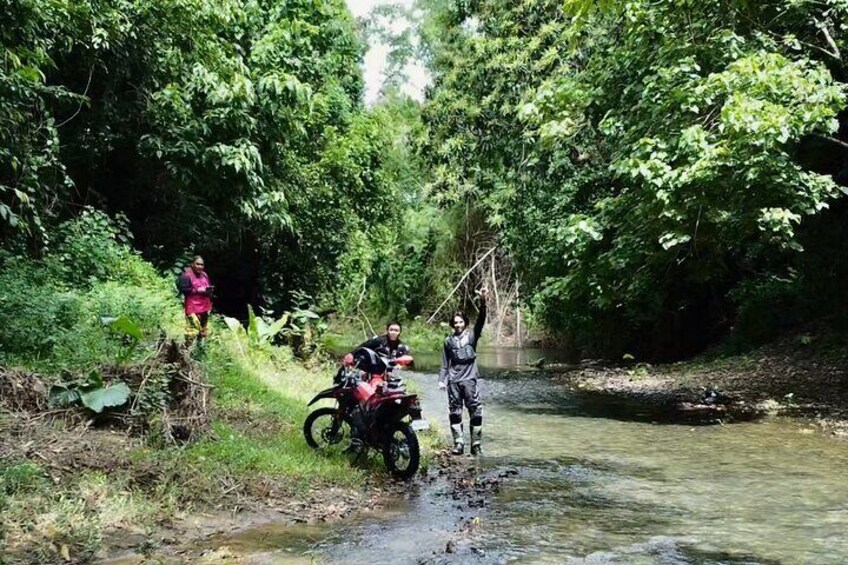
402 361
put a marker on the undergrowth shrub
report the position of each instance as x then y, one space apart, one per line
766 307
51 307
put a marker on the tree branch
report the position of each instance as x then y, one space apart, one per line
85 92
468 272
823 28
831 139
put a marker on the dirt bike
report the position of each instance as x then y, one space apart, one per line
371 398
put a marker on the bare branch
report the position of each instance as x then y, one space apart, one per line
362 312
468 272
831 139
90 73
823 28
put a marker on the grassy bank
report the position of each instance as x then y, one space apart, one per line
74 482
261 402
67 489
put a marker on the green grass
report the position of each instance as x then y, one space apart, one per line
269 391
47 523
259 406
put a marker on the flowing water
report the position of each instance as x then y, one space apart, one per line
585 486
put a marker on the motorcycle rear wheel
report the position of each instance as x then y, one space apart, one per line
401 452
324 430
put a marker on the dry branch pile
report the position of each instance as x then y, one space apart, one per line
169 396
21 391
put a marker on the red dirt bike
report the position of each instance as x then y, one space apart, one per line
372 398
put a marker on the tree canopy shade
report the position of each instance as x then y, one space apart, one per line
656 174
224 126
639 159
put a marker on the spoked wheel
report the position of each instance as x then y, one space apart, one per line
401 453
325 430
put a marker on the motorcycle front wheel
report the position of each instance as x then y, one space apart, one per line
324 429
401 452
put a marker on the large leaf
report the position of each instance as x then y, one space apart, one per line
262 328
125 326
277 326
234 325
100 398
303 313
62 396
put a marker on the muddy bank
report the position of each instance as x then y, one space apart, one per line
795 376
125 488
273 526
211 514
193 504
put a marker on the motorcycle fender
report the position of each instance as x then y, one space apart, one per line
328 393
389 410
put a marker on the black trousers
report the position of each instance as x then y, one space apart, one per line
466 393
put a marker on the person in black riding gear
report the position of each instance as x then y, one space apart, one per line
459 374
387 345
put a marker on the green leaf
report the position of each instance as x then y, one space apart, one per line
234 325
262 329
94 379
100 398
302 313
252 326
123 325
278 325
62 396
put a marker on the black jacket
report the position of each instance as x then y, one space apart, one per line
383 346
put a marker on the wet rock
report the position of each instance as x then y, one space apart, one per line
450 547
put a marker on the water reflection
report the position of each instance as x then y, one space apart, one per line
601 489
592 488
498 359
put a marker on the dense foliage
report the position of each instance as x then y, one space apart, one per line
222 127
645 177
646 163
407 267
52 308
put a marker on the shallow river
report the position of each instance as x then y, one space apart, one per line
592 488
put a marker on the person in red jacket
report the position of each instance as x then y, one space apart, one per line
196 288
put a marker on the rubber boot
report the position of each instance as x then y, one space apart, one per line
458 443
476 440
